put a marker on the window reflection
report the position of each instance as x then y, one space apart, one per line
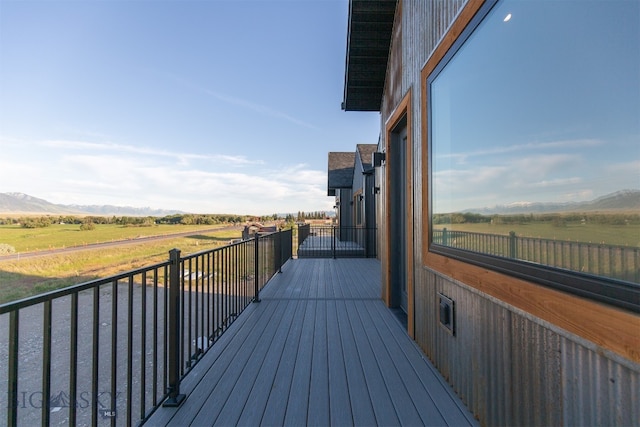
535 135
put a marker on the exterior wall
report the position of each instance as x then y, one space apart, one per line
358 189
363 184
393 92
358 179
512 368
521 354
369 200
344 196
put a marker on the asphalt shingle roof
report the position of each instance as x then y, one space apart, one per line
340 174
365 151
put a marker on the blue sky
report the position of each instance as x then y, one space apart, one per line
539 107
202 106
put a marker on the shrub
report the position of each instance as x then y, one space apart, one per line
6 249
36 222
86 226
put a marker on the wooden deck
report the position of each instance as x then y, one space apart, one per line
319 349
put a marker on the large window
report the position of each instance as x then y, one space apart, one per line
534 137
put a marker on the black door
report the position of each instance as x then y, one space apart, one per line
398 215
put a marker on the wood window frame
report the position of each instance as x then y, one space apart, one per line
610 327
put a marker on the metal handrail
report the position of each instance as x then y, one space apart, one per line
118 347
613 261
337 241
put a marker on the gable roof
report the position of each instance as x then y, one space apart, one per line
340 174
365 151
368 42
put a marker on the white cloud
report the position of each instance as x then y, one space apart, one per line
84 172
631 169
534 177
572 144
243 103
183 158
560 182
261 109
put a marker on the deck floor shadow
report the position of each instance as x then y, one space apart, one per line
320 349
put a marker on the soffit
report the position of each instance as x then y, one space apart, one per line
368 42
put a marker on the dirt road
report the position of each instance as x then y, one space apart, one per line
117 243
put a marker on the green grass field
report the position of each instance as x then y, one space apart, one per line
23 278
66 235
622 235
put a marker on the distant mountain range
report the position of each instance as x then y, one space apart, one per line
624 200
16 203
19 203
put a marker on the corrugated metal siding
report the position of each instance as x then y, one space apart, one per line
536 374
508 367
511 369
598 390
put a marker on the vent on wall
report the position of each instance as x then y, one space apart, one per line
447 313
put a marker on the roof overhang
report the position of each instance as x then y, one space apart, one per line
368 42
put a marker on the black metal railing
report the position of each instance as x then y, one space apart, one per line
303 232
616 262
336 242
112 350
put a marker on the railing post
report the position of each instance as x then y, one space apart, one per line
512 244
256 297
445 237
175 398
366 241
12 383
280 237
333 242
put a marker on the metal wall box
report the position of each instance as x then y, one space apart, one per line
447 313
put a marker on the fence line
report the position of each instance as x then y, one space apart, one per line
336 242
616 262
112 350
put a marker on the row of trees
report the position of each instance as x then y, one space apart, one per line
201 219
147 221
311 215
140 221
558 219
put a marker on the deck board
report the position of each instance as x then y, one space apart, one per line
265 379
277 401
298 400
340 405
383 407
204 402
362 411
318 414
319 349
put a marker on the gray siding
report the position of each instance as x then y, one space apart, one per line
346 208
514 369
358 179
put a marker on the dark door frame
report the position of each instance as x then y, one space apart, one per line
396 121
